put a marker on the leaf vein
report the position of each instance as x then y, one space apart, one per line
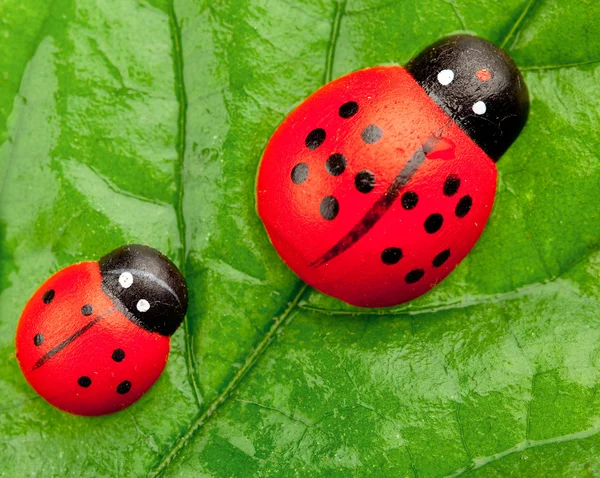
562 66
180 146
38 39
480 462
460 18
338 15
461 430
201 418
520 21
278 322
472 301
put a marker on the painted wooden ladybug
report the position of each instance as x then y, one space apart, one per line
95 336
380 183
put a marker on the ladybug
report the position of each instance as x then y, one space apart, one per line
95 336
378 185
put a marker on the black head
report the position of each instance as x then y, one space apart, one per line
146 286
479 86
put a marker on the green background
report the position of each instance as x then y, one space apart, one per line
144 121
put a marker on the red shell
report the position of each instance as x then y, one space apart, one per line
102 363
389 98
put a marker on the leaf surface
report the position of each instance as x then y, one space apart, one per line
143 121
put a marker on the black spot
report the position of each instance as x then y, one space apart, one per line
329 208
364 181
48 296
118 355
300 173
371 134
349 109
124 387
451 185
315 138
433 223
38 340
391 255
464 206
442 257
410 200
336 164
414 276
87 309
84 381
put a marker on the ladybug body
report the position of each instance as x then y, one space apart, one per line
80 343
381 182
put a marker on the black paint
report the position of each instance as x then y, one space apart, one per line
155 279
329 208
464 206
414 276
315 138
48 296
87 310
118 355
441 258
124 387
433 223
38 340
348 109
504 94
336 164
52 352
371 134
451 185
84 381
300 173
410 200
382 205
364 181
391 255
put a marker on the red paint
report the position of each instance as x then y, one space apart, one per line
391 99
90 354
483 75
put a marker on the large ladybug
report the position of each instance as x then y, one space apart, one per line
95 336
380 183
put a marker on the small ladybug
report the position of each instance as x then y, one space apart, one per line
95 336
378 185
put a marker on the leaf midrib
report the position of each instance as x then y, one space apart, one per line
286 316
180 146
278 323
36 42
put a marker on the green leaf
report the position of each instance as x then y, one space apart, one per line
142 121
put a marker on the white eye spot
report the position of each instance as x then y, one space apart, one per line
126 279
445 77
143 305
479 108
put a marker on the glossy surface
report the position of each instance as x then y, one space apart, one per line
146 286
373 242
497 369
478 85
79 351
